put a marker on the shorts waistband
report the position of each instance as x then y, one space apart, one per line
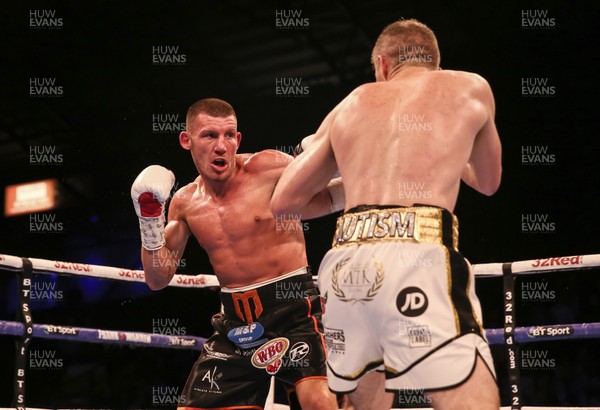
301 271
249 302
416 224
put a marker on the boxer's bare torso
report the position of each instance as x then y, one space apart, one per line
243 240
413 135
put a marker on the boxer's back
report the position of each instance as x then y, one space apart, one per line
408 140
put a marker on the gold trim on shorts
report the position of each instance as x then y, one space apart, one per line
411 224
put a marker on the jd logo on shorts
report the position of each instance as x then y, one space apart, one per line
412 301
247 336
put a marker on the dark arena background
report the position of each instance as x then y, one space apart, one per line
92 92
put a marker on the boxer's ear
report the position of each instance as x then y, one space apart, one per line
239 138
383 68
185 140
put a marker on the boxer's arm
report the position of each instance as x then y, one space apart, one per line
484 169
160 265
324 202
307 176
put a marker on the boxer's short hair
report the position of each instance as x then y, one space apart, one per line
209 106
407 42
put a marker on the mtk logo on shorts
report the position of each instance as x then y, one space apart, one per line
412 301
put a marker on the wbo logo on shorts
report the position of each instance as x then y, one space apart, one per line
269 355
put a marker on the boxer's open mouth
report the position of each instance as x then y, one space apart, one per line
219 164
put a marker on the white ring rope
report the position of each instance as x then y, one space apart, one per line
10 262
14 263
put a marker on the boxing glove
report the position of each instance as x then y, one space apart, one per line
150 192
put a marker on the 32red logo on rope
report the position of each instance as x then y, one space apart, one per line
561 261
72 266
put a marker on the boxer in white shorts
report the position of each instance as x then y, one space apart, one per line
409 138
399 294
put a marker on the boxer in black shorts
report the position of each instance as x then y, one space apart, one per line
260 263
268 329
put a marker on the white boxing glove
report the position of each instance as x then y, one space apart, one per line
150 192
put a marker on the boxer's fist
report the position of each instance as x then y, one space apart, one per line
150 192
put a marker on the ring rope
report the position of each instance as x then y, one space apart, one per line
509 335
121 337
528 334
15 263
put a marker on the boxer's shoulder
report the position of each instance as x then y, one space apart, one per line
464 79
266 160
186 192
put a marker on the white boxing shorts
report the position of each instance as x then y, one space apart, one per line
400 297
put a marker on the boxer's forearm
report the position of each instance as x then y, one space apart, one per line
325 202
159 267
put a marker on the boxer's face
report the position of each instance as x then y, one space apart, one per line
213 142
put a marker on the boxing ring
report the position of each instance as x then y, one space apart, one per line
510 335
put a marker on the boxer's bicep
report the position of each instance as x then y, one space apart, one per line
485 160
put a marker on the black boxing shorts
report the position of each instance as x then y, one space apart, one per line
272 328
